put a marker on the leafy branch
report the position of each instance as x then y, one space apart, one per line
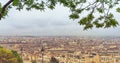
102 8
2 11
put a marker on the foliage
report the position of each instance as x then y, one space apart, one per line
104 19
33 61
54 60
8 56
19 59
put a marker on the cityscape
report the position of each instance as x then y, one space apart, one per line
66 49
59 31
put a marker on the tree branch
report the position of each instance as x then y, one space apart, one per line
4 8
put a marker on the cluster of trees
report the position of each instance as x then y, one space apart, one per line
104 19
9 56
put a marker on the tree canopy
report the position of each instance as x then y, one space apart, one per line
99 13
9 56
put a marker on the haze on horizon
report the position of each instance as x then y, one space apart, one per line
49 23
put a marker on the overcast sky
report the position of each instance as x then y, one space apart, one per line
49 23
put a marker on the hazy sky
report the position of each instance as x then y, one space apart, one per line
49 23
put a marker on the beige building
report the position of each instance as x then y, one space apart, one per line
92 59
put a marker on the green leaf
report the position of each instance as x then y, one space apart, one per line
52 2
98 0
31 1
15 2
113 22
83 1
88 26
79 10
74 16
98 25
51 7
72 5
90 17
20 6
35 6
100 10
83 21
107 24
118 9
0 7
111 6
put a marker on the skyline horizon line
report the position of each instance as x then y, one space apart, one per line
53 36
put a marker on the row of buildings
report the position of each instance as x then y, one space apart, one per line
65 49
